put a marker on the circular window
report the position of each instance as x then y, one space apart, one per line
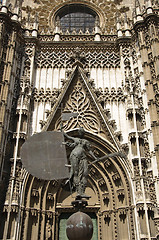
76 17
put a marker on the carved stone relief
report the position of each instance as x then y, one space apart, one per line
52 59
80 104
46 11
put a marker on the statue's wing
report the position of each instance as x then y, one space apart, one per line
120 154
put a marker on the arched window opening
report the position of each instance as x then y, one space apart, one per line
151 222
76 17
131 120
139 122
133 146
141 146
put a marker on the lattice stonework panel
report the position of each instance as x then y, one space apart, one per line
59 59
79 103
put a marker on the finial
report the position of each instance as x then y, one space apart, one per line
57 29
125 18
126 26
4 6
16 10
57 23
96 30
118 25
137 3
96 21
137 14
148 5
36 22
118 17
36 18
4 3
134 13
35 26
28 18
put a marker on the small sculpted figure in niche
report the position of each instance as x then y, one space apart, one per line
48 230
79 161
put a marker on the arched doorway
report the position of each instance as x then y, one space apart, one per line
47 204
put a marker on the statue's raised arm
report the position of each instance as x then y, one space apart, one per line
67 136
68 143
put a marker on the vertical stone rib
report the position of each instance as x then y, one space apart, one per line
5 96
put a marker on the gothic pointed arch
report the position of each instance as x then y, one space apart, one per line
78 99
47 204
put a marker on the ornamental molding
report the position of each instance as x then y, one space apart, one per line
77 96
104 96
87 47
46 10
47 36
79 103
48 95
108 95
96 6
57 59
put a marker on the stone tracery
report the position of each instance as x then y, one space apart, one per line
78 103
49 59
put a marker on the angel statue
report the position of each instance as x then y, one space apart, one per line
79 161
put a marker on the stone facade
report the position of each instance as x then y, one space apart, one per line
110 78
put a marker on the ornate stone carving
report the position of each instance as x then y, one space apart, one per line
48 232
47 95
80 104
121 194
116 176
106 11
109 95
35 192
106 198
59 59
50 196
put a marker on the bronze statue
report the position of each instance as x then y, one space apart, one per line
79 161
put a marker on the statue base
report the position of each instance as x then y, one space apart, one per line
80 201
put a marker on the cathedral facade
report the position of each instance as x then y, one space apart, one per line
98 62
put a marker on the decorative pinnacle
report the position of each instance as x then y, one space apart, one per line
118 25
17 7
4 8
4 3
57 23
125 18
134 13
148 3
36 22
118 18
97 21
77 55
36 18
28 18
137 3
